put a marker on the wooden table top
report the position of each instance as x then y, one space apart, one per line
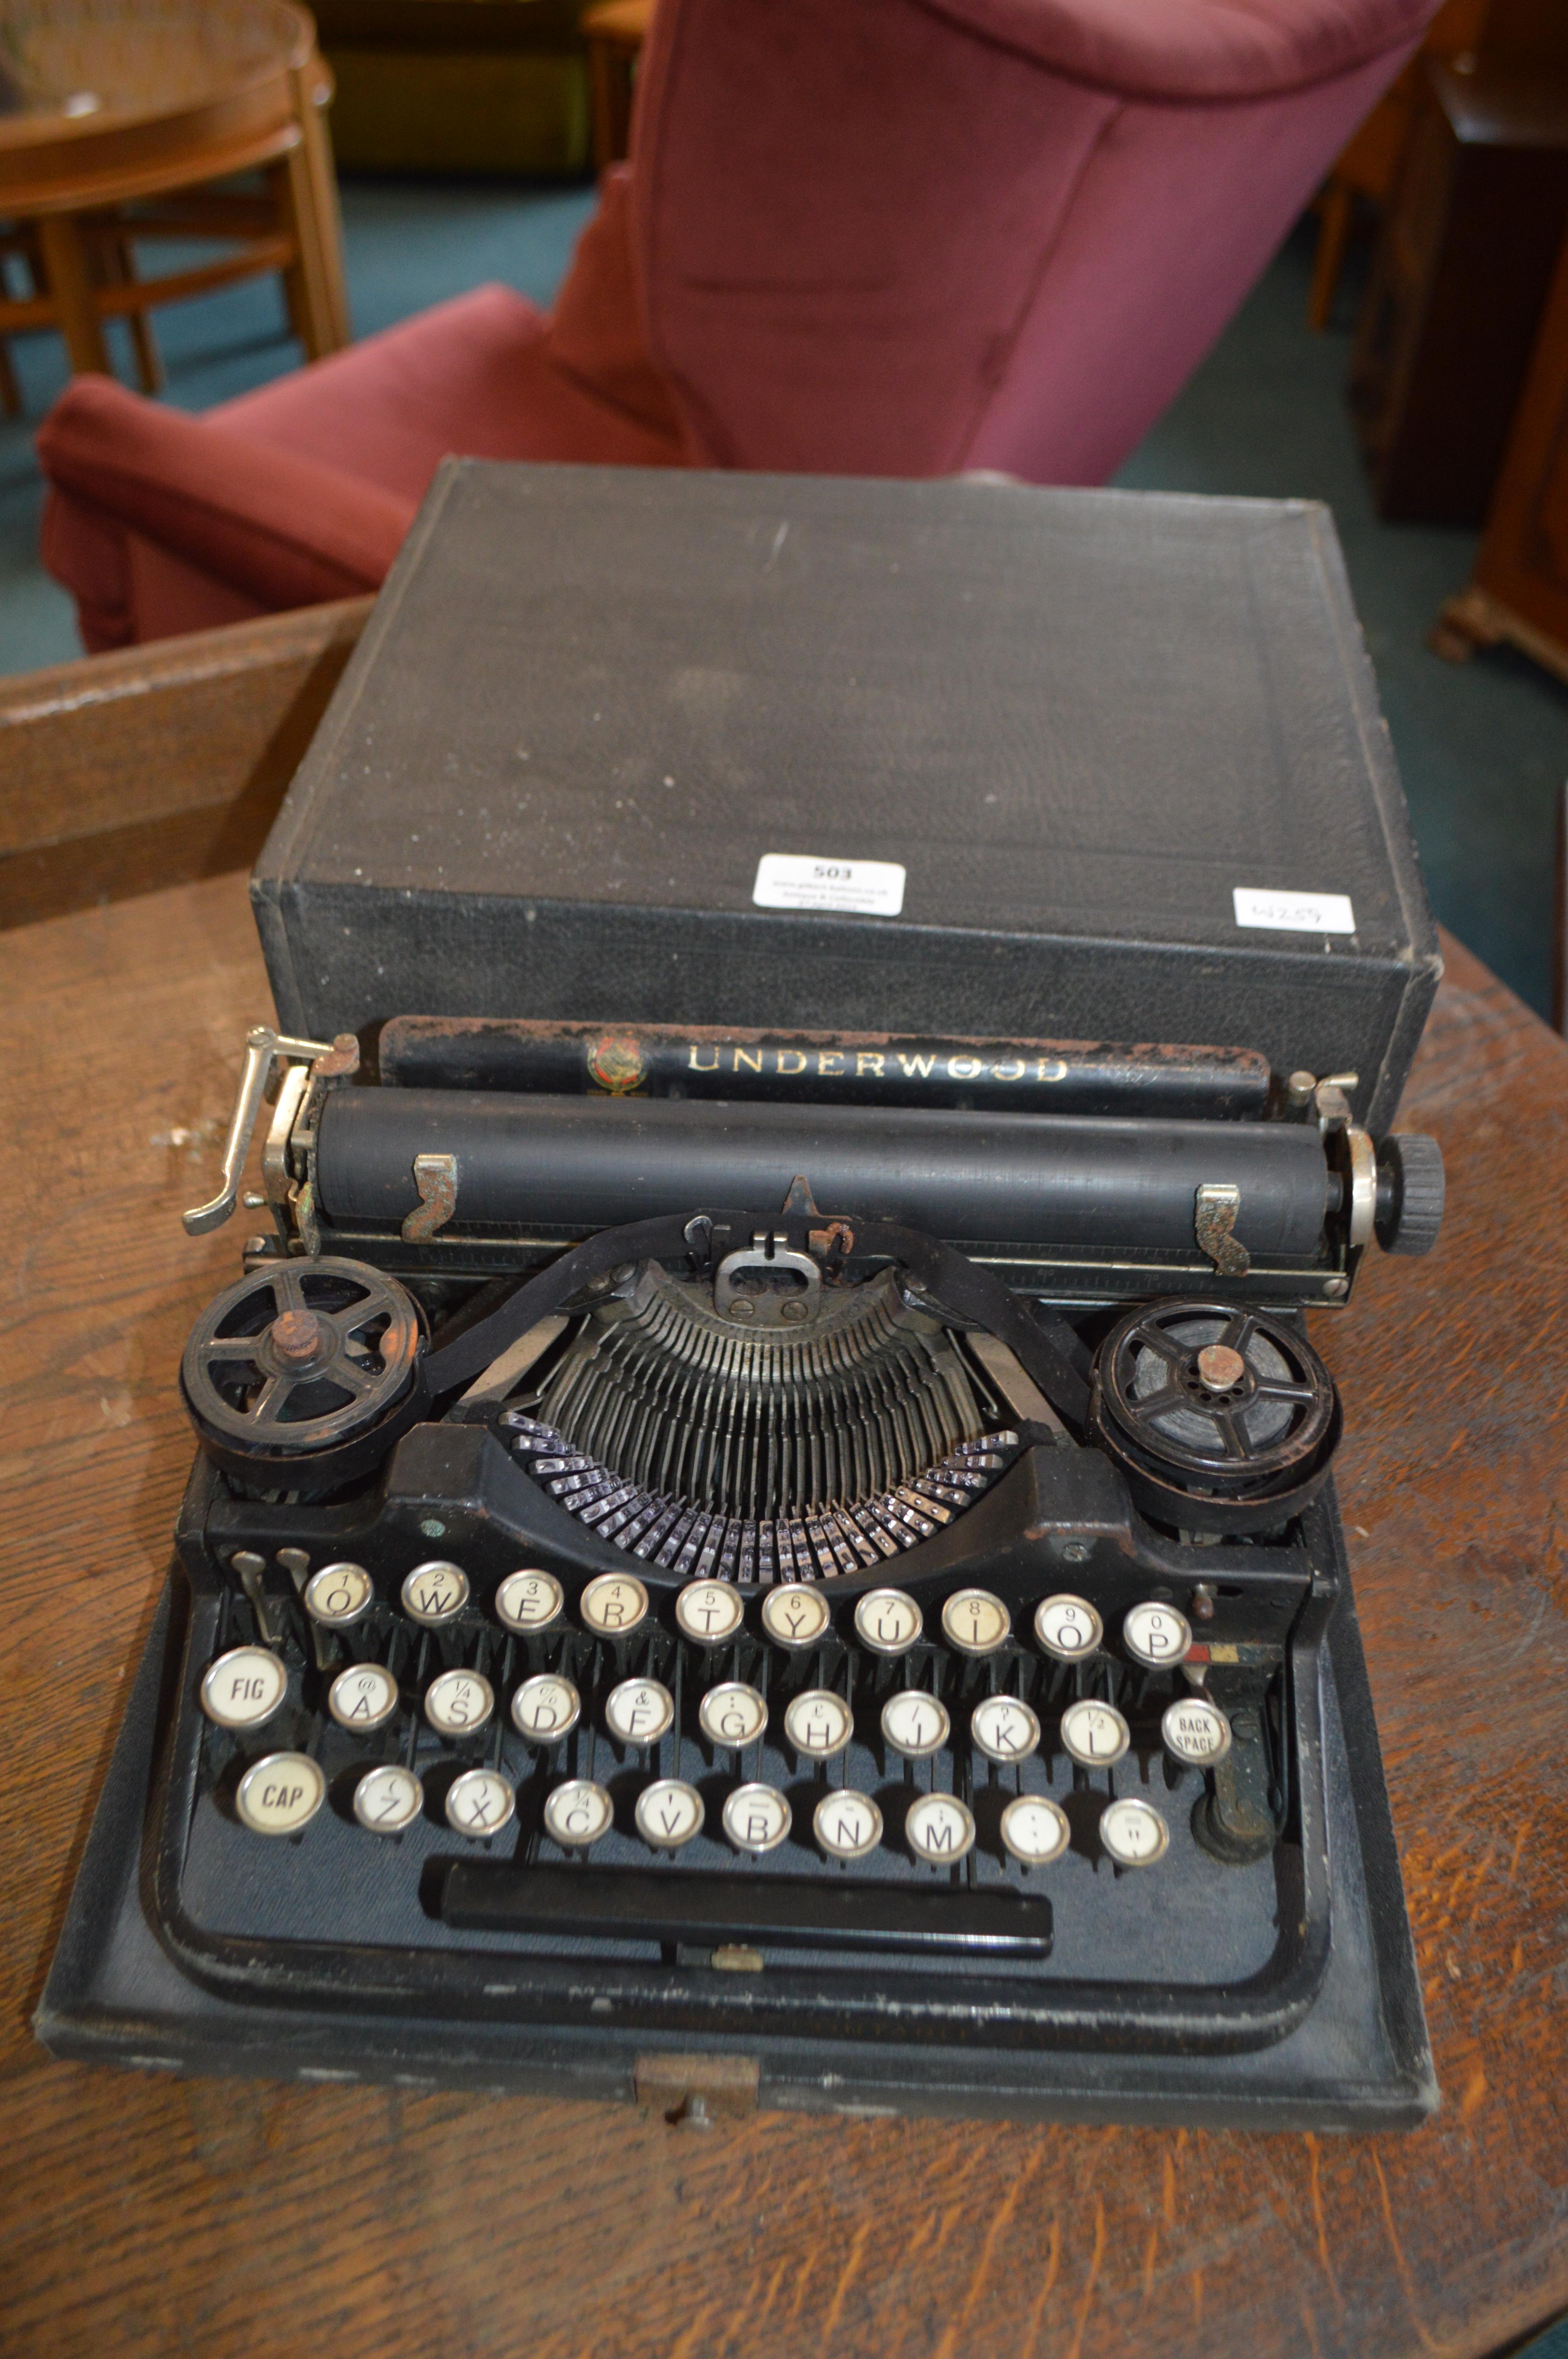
157 2216
75 71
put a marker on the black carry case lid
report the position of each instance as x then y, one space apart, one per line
590 700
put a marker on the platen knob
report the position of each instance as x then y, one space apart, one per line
1409 1192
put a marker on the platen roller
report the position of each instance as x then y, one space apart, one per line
1077 1183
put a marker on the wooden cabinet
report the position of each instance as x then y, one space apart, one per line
1520 588
1459 281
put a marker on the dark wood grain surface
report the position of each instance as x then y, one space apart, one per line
141 2217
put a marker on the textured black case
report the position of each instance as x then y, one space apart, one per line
590 699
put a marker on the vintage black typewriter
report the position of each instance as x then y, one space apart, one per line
732 1551
821 1548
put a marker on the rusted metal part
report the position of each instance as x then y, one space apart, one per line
857 1067
1219 1368
339 1062
678 2086
1214 1216
436 1178
298 1338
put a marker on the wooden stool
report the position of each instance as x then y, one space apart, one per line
614 31
127 115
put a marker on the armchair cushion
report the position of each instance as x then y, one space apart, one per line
279 527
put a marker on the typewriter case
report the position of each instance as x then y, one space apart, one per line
955 1371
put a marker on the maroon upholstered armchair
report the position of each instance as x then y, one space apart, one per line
907 237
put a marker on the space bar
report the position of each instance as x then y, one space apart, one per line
797 1911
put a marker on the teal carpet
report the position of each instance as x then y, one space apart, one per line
1484 747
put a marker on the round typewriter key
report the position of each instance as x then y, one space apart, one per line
1133 1833
709 1612
638 1711
1036 1829
577 1813
338 1594
1067 1627
795 1616
481 1802
669 1812
244 1688
1004 1729
1193 1729
613 1603
887 1621
915 1724
388 1799
1156 1634
457 1703
939 1829
280 1795
818 1723
732 1715
528 1601
436 1593
756 1818
847 1825
1094 1732
974 1621
364 1697
545 1708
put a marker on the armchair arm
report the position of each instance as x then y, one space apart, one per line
284 530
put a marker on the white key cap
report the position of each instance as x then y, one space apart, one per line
363 1696
436 1593
388 1799
1193 1729
1036 1829
1004 1729
613 1603
756 1818
818 1723
545 1708
244 1688
669 1812
457 1703
577 1813
1156 1634
847 1825
480 1802
795 1616
280 1795
939 1829
1094 1733
1067 1627
1133 1832
709 1612
888 1621
732 1715
528 1601
339 1596
914 1725
638 1711
974 1621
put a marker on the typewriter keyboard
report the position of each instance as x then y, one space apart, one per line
733 1745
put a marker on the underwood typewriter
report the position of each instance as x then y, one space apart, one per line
809 1555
